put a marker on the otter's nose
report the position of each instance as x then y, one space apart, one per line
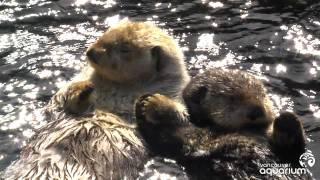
93 55
255 113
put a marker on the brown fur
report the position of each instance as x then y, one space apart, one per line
235 101
129 60
219 149
231 99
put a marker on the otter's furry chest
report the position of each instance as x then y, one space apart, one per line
117 99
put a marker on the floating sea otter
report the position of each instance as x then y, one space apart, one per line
129 60
234 130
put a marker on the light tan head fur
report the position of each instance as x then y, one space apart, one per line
132 51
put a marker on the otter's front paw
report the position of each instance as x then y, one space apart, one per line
159 109
288 137
77 99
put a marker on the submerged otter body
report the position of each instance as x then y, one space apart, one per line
130 59
212 144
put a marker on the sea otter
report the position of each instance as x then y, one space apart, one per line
91 131
226 131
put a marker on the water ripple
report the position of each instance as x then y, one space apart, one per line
43 44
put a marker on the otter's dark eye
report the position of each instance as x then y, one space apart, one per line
232 99
255 113
125 49
106 46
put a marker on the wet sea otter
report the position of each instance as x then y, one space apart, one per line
227 131
129 60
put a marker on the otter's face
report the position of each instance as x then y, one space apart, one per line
118 59
236 111
230 110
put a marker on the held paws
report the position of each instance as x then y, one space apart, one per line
288 135
159 109
77 99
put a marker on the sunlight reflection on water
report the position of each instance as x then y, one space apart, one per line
43 44
303 43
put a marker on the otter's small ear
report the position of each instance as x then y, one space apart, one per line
199 94
158 55
198 113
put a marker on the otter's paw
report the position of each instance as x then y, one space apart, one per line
288 136
77 99
159 109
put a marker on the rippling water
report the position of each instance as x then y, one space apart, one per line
42 45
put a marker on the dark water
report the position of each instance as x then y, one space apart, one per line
42 46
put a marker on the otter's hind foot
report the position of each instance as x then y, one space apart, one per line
159 109
288 139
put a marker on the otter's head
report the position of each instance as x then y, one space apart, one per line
133 52
228 99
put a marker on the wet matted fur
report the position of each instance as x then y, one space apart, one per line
81 148
127 61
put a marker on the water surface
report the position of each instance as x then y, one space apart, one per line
42 45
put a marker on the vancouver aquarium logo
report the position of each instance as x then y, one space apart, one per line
307 160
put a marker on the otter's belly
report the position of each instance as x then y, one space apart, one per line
119 101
